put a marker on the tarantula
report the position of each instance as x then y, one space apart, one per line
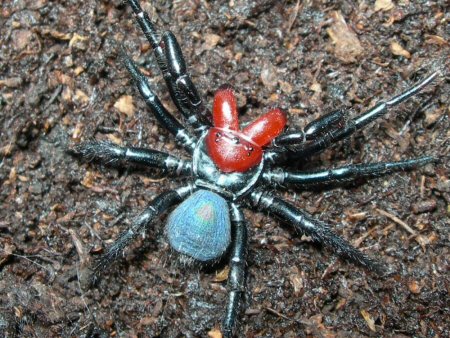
232 167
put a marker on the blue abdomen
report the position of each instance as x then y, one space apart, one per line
200 226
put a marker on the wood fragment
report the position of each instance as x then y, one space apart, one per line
357 242
383 5
347 47
215 333
369 320
436 39
422 186
398 221
79 247
397 49
294 15
279 314
222 275
211 41
414 287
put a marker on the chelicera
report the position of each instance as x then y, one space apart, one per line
233 167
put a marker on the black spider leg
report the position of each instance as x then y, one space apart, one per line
322 125
171 62
327 139
159 205
112 154
164 117
305 224
344 173
237 274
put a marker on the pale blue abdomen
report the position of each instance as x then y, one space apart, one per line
200 226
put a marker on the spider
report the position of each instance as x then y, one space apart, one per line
232 168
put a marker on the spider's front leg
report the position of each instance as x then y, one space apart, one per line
336 134
111 154
313 130
236 277
305 224
162 115
173 67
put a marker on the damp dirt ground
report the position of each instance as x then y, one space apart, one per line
62 82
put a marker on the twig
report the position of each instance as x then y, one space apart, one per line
294 15
84 258
357 242
398 221
275 312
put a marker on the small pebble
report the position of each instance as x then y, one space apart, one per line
424 206
36 188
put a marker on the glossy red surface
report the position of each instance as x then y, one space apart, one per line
264 129
231 152
231 149
225 114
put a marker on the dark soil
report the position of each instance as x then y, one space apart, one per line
60 78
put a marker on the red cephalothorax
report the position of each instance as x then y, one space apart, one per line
233 149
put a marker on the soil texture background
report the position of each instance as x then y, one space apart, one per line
62 82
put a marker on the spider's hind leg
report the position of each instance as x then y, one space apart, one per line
236 277
158 206
317 230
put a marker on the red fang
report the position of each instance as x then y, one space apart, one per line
233 149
